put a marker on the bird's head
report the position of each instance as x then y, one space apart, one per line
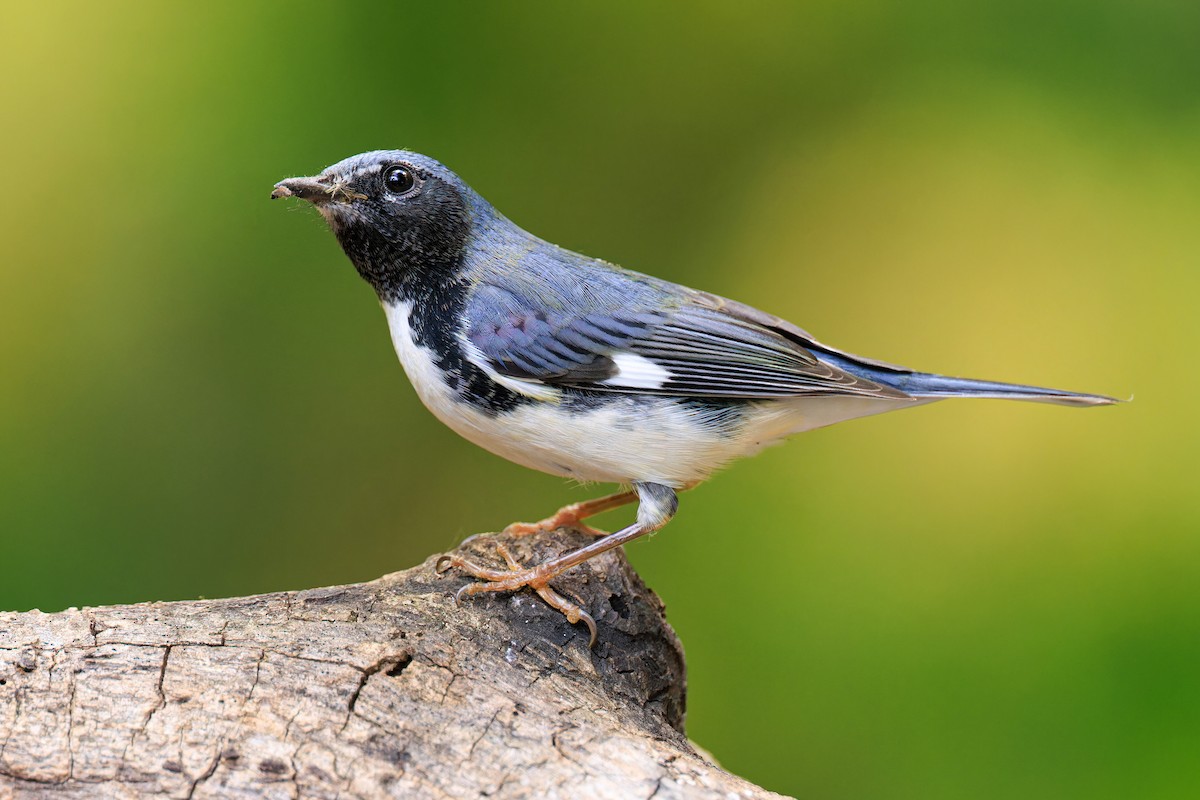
394 212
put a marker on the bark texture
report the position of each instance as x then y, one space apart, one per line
373 690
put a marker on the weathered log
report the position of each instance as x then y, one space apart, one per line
380 689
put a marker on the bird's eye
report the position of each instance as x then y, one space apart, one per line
398 180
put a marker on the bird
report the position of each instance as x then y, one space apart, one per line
580 368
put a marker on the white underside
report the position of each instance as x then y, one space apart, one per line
635 437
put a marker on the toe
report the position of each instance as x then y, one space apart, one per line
526 528
571 610
455 561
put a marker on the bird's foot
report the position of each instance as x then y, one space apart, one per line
565 517
516 577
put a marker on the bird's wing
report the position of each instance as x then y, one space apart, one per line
692 345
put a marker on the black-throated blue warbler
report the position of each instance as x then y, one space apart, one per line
577 367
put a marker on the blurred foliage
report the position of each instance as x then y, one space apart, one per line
980 600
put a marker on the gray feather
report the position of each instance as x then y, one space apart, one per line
566 329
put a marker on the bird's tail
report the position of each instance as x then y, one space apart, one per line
926 385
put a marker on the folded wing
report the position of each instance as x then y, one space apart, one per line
689 345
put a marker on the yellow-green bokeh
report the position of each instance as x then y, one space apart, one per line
984 600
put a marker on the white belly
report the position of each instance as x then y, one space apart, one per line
633 437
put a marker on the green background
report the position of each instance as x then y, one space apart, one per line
982 600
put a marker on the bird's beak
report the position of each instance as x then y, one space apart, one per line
312 189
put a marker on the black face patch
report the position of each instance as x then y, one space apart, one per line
397 244
412 250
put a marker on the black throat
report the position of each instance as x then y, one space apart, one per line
409 254
422 265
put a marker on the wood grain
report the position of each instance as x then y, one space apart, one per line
374 690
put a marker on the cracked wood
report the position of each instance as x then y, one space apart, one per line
374 690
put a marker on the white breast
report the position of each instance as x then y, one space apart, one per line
425 376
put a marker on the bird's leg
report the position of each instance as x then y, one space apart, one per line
657 504
571 516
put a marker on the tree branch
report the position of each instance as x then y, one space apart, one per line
380 689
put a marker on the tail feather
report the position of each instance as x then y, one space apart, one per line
929 385
923 384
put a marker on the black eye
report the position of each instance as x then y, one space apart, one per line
398 180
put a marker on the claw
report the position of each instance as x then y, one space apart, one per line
492 580
572 611
591 626
658 500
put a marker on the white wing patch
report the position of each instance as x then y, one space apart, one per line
637 372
